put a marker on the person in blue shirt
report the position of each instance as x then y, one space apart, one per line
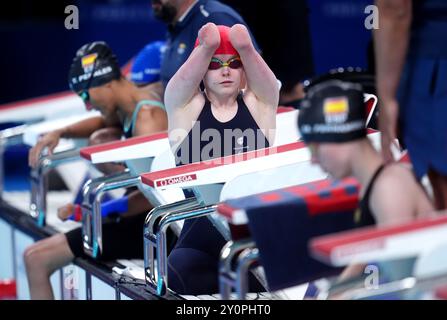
184 19
411 63
146 65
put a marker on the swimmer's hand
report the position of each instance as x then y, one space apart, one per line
209 36
240 37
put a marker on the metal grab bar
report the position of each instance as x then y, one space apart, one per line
228 277
246 259
162 257
91 214
150 237
89 187
39 183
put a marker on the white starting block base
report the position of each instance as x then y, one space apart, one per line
133 269
73 174
250 296
33 132
55 199
292 293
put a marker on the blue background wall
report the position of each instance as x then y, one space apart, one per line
339 37
36 49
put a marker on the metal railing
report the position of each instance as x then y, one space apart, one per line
91 209
39 182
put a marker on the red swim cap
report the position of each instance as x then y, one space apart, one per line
225 46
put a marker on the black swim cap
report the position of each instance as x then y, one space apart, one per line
93 58
333 111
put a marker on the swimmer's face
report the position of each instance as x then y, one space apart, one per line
333 158
225 74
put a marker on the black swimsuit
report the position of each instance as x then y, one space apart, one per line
366 218
193 263
242 130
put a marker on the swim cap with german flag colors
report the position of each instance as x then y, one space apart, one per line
225 46
333 111
94 65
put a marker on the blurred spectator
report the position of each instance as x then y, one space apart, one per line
184 19
411 64
146 65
